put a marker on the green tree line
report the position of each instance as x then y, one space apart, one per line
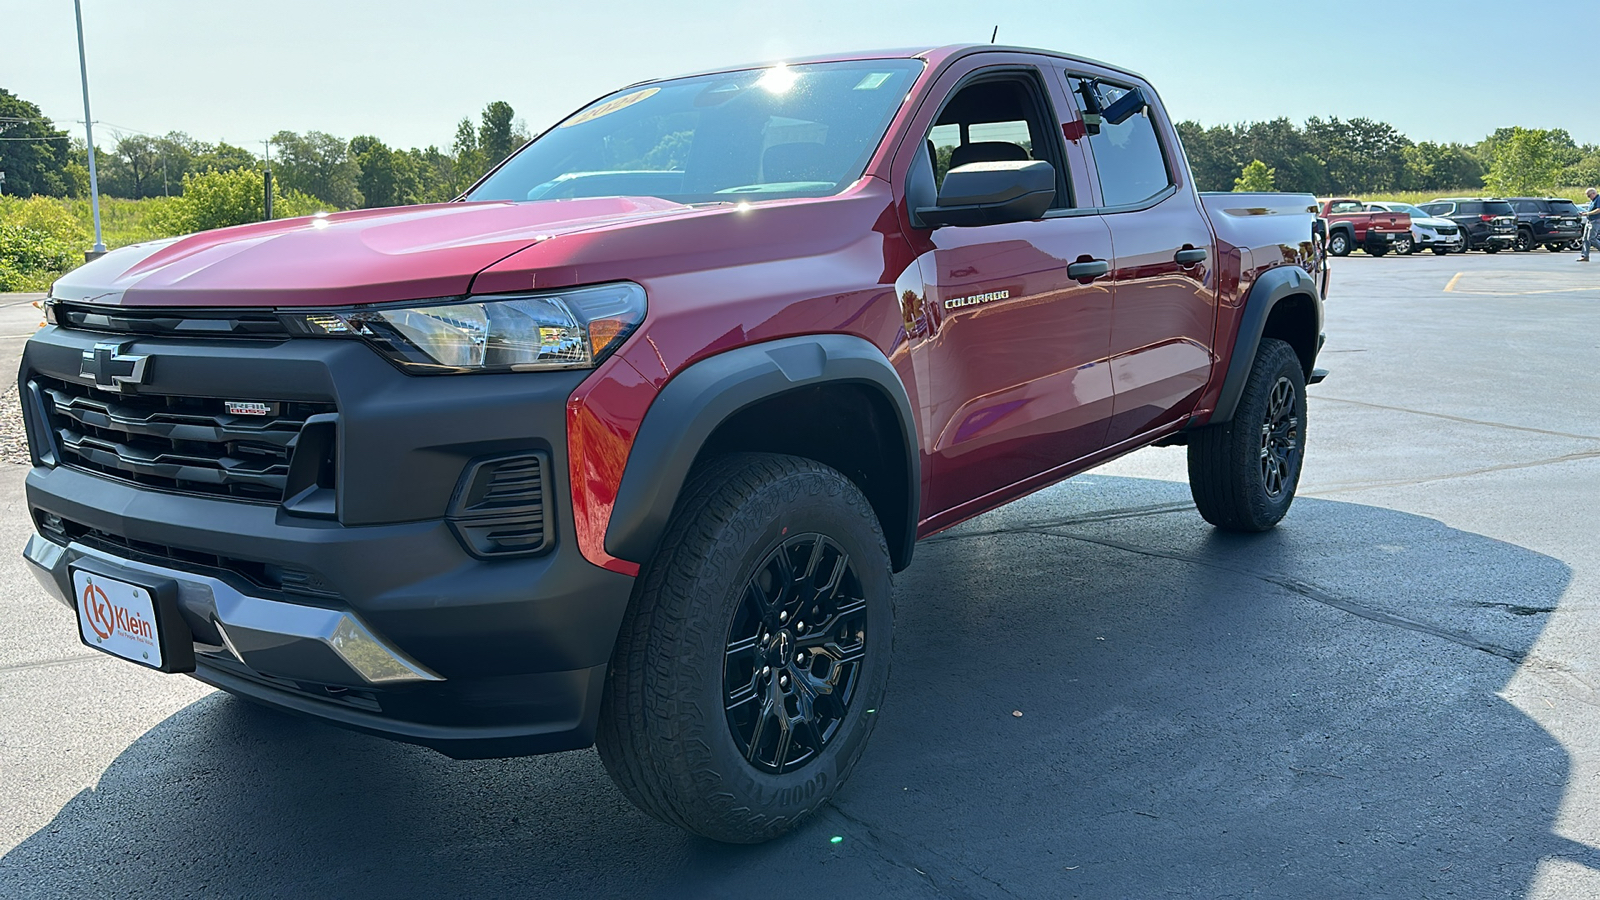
40 159
1361 156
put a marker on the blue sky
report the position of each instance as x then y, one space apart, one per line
408 71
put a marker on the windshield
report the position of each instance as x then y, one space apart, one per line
801 131
1498 208
1408 209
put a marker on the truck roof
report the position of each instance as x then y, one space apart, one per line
934 56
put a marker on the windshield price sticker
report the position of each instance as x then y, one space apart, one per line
609 107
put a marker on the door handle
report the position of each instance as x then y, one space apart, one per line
1190 256
1088 270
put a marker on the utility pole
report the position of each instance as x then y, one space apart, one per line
88 124
266 181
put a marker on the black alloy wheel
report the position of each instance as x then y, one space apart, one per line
754 652
1524 240
1280 437
794 653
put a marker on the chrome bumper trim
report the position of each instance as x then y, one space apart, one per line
252 626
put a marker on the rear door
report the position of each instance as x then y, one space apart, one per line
1164 306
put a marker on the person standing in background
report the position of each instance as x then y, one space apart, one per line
1591 219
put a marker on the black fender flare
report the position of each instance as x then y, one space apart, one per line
704 395
1271 287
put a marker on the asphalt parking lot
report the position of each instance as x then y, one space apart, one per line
1394 694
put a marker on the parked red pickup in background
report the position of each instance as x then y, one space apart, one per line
1351 226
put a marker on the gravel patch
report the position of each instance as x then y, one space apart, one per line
13 439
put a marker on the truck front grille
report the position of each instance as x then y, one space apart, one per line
191 445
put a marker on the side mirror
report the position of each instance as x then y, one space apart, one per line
989 193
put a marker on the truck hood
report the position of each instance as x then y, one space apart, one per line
367 256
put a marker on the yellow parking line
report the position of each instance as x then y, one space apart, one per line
1449 288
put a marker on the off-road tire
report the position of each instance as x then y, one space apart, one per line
1226 461
1339 244
665 734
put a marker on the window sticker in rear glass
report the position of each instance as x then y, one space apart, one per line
609 107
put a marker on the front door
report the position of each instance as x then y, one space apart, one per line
1011 354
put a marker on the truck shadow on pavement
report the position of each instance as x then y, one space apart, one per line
1309 713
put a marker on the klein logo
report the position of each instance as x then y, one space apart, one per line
108 367
107 619
976 299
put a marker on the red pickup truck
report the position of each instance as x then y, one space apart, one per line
624 446
1352 225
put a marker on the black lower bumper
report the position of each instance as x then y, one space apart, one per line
393 627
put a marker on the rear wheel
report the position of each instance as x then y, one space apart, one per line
1243 473
1553 248
1377 249
1441 251
1492 248
754 653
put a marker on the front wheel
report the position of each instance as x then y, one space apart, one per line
1405 247
1524 240
1243 473
1441 251
1492 248
1553 248
754 652
1339 244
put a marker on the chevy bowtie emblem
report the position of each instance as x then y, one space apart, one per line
108 367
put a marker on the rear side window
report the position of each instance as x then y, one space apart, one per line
1129 157
1473 208
1563 207
1526 206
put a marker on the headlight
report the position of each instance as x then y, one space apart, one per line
572 329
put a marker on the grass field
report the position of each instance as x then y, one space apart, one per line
1575 194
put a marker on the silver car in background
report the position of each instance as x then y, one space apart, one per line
1427 232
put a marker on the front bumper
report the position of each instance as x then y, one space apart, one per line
379 618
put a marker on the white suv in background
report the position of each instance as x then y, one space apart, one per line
1427 232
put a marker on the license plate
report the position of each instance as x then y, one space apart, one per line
118 617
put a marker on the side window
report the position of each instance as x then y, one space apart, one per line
1129 157
996 120
1525 206
1470 208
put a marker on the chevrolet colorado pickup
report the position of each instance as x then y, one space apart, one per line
624 446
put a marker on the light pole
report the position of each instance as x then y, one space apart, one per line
88 124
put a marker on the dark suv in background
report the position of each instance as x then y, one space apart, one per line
1488 225
1554 222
